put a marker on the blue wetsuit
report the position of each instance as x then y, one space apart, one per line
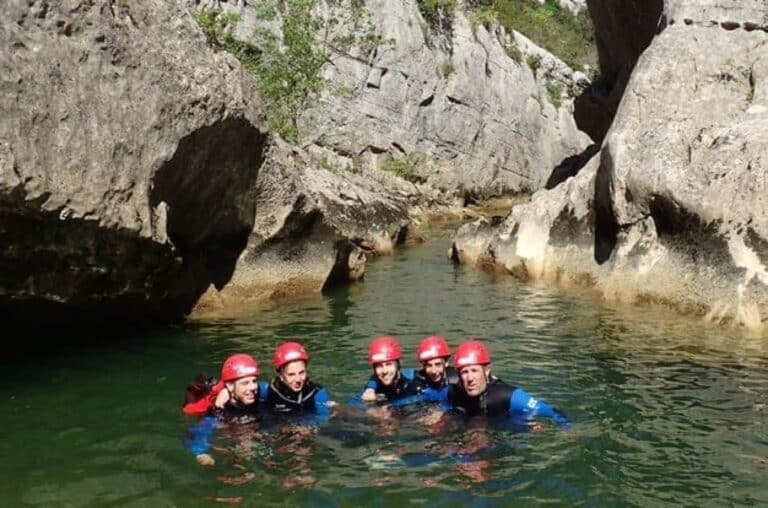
436 390
404 388
198 439
499 399
312 398
274 397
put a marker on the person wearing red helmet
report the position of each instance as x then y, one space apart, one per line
479 393
292 390
244 394
433 353
388 382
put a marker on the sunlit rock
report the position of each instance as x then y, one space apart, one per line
313 229
674 208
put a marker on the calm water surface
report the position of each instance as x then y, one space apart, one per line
667 410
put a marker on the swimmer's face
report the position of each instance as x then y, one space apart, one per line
435 369
244 390
294 375
474 379
386 372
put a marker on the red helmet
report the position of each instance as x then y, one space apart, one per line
471 352
432 347
237 366
384 349
289 352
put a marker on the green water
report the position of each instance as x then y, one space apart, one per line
667 410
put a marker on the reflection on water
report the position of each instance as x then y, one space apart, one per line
668 410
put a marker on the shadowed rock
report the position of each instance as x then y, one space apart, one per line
623 29
313 229
129 154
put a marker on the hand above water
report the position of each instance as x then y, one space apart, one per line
205 460
222 398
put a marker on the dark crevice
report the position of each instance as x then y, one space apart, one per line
289 242
606 225
402 236
374 149
454 100
397 147
427 101
209 189
570 166
622 33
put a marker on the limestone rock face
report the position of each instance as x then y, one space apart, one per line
677 198
462 101
129 154
313 229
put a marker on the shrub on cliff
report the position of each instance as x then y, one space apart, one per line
569 37
287 62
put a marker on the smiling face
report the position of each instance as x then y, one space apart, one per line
474 379
386 372
294 375
435 369
244 390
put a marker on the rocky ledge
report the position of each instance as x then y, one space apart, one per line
674 207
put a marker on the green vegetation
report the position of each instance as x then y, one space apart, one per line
513 51
288 72
406 167
569 37
438 13
287 66
554 92
534 62
483 15
217 29
446 68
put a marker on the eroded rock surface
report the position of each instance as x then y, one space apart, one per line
461 100
313 228
129 154
674 208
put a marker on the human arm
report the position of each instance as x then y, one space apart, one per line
524 406
369 391
323 404
198 439
200 396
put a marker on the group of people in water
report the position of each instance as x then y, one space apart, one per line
467 387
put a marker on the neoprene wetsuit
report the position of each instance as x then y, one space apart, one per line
312 398
405 386
274 397
501 399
